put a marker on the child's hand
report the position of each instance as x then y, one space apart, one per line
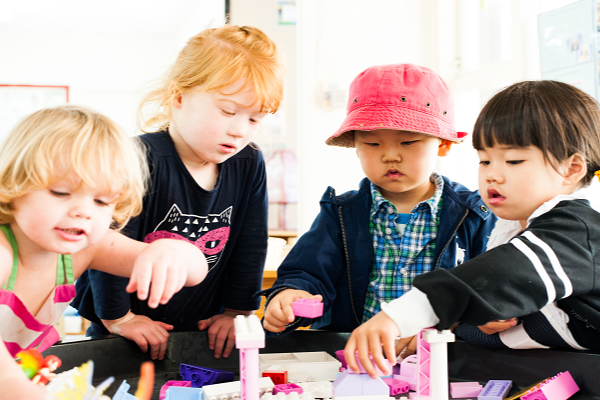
145 332
169 265
379 331
221 332
497 326
406 347
279 311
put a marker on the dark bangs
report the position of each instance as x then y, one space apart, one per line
557 118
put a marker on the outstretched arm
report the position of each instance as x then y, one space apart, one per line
166 263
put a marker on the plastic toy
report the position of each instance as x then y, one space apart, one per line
31 361
287 388
304 366
342 358
348 385
307 308
559 387
183 393
146 381
321 389
231 390
51 364
408 371
283 396
200 376
278 377
163 389
438 367
76 384
249 337
122 392
396 386
460 390
495 390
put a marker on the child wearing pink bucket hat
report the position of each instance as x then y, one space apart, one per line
366 246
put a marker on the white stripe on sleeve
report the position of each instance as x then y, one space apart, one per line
558 269
411 312
537 264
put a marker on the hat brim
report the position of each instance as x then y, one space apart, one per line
372 117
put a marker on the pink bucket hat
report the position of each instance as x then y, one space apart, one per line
405 97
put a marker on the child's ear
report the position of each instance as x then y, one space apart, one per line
444 148
575 169
177 97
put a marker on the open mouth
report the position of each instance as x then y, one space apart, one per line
73 231
495 197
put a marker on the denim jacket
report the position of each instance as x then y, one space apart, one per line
335 257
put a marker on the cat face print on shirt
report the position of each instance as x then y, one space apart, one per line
209 233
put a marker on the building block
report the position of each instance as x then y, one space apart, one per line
163 389
559 387
278 377
308 365
121 393
408 371
288 388
308 308
342 358
249 337
321 389
461 390
183 393
396 386
348 384
438 365
495 390
290 396
200 376
232 390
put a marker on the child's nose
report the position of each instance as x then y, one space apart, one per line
81 209
238 129
391 154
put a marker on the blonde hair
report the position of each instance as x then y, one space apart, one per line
214 59
87 143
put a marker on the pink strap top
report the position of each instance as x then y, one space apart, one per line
20 330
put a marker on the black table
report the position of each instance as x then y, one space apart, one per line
121 358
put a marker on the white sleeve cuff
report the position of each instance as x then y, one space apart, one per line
411 312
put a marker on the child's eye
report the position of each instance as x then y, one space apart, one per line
484 163
101 202
58 193
372 144
514 162
228 112
409 142
254 120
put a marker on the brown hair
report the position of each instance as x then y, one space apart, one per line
212 60
555 117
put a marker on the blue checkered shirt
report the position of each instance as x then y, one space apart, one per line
400 254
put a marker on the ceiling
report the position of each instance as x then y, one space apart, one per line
101 15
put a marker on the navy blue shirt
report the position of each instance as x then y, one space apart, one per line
228 223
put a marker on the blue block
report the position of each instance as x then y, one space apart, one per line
183 393
495 390
122 394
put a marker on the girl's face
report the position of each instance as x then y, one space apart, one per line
64 218
515 181
212 127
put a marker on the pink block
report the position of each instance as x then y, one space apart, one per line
163 389
287 388
396 386
342 358
559 387
460 390
308 308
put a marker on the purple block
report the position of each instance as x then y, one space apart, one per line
163 389
460 390
287 388
348 384
200 376
308 308
396 386
495 390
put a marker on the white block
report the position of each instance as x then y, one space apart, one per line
318 364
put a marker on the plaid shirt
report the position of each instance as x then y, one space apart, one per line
400 256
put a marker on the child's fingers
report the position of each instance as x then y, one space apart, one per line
170 286
159 280
390 355
369 352
350 354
